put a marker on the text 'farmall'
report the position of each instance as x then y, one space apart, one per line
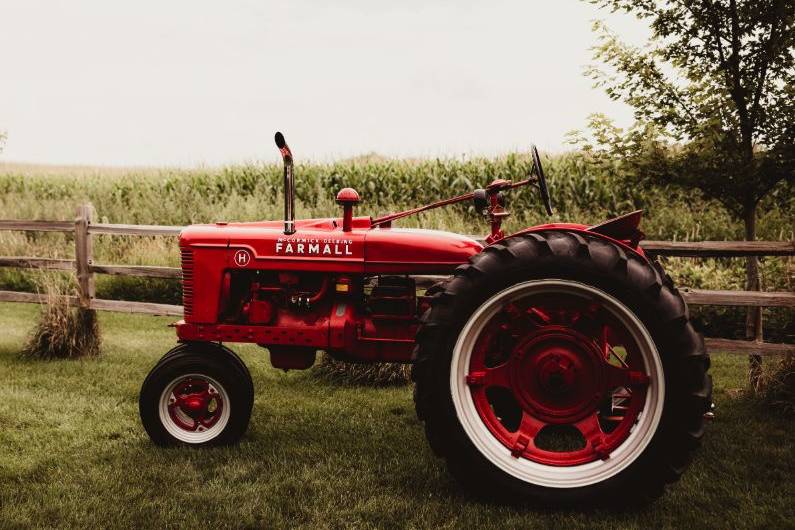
314 247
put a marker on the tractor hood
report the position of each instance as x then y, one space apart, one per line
321 245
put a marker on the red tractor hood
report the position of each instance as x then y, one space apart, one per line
321 245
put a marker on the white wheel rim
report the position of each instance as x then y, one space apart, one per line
527 470
201 434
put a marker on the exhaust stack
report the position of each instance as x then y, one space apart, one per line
289 184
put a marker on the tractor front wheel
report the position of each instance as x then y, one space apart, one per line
560 368
198 394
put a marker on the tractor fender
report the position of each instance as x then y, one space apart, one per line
622 231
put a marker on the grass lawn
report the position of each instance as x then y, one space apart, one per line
316 455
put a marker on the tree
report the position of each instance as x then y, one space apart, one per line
713 93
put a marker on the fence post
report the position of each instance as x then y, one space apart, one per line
755 360
83 259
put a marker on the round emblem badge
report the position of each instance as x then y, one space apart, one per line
242 258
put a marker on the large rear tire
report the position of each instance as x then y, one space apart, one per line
559 368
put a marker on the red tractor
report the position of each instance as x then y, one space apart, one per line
556 364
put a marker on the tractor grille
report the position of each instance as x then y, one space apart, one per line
187 281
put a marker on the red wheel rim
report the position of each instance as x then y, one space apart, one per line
557 361
195 404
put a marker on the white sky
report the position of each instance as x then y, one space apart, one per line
187 82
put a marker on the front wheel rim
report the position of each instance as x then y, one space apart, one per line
553 374
194 408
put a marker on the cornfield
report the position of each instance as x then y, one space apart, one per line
581 190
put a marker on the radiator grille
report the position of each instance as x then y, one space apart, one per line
187 281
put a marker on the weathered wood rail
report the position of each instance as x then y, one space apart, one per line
85 268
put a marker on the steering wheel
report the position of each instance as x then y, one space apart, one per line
541 181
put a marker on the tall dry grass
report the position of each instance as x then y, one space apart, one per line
776 387
373 374
62 331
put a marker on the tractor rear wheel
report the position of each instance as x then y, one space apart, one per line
197 394
557 367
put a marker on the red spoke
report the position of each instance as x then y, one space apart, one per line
530 426
622 377
497 376
541 315
173 408
525 435
519 319
593 434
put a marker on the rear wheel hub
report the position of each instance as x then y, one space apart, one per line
552 375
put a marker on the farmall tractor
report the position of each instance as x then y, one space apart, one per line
556 364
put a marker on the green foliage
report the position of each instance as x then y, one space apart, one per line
584 189
712 94
156 290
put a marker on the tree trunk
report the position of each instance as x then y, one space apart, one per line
753 318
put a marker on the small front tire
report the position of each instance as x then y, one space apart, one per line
196 396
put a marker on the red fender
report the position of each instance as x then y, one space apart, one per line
622 230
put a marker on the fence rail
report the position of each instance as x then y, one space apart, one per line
719 249
83 230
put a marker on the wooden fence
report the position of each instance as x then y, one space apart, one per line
84 229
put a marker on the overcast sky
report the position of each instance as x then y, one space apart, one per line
187 82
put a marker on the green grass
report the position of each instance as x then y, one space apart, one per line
316 455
